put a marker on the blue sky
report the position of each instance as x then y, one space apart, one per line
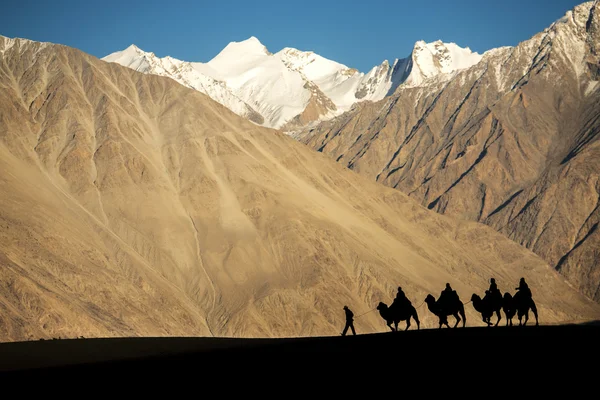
360 34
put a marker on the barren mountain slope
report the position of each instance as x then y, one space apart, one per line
511 142
132 205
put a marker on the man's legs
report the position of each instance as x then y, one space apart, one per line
353 331
346 329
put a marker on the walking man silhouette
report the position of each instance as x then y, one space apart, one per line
349 321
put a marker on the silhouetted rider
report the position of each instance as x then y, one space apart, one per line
493 286
523 288
446 293
349 321
494 292
401 298
447 296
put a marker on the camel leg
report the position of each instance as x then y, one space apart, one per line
526 318
499 317
407 324
396 325
535 313
390 326
444 321
520 318
486 319
457 320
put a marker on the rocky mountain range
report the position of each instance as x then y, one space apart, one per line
292 89
511 142
132 205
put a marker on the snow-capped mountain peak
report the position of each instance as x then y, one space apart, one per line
132 49
245 47
435 58
293 87
193 75
237 57
134 58
139 60
312 65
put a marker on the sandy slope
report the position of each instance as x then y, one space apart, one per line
132 205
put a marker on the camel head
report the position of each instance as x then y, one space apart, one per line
382 306
507 296
475 297
429 299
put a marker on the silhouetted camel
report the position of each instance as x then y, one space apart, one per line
396 313
487 307
509 307
523 304
442 311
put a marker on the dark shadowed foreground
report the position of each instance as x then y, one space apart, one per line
469 354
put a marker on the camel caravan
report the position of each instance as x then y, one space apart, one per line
449 304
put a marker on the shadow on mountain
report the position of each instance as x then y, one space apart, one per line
400 73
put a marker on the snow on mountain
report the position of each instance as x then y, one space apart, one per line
312 65
431 59
238 58
21 43
262 80
428 60
134 58
292 88
193 75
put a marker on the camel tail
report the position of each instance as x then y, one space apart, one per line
461 310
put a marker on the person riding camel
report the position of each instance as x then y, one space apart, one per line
524 288
447 296
493 287
401 298
447 292
494 293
